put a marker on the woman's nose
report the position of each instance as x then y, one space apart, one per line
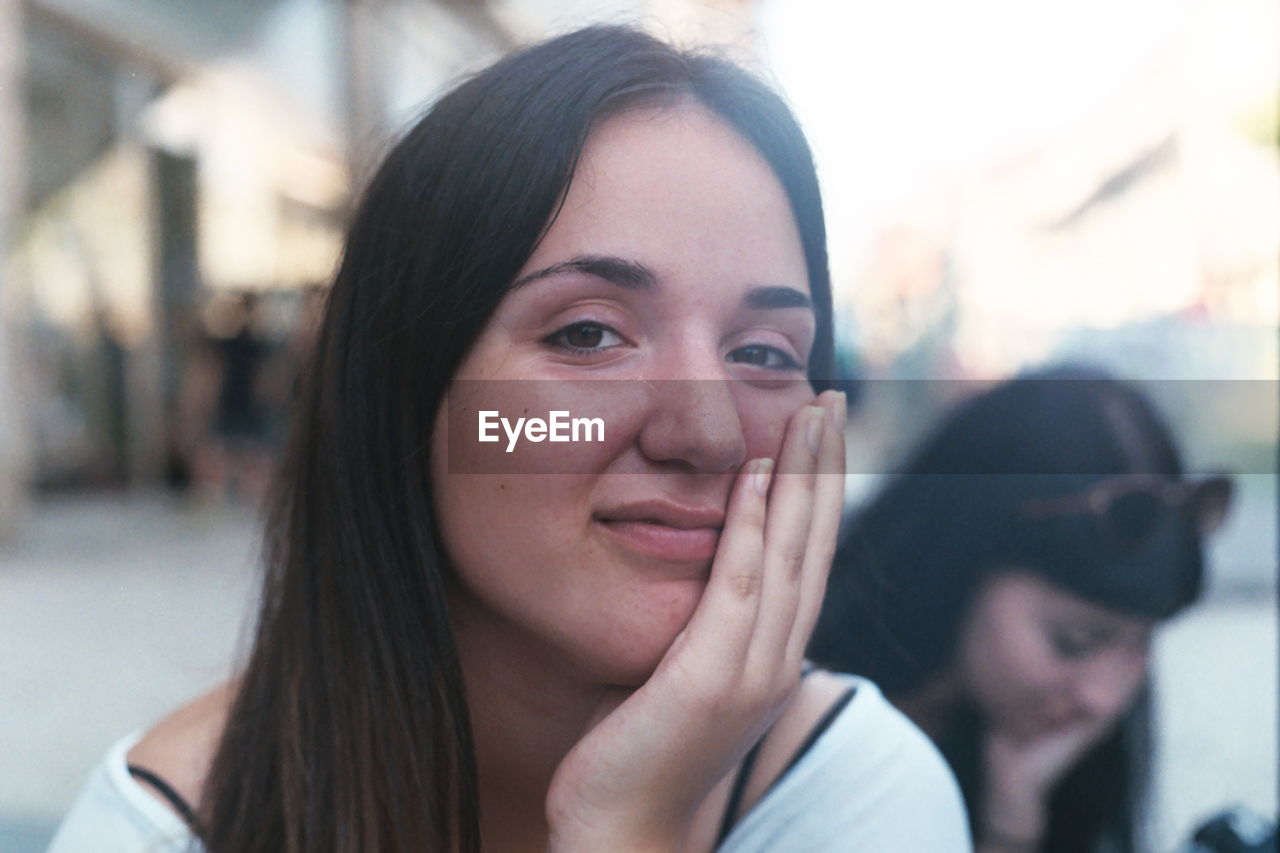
1107 691
694 422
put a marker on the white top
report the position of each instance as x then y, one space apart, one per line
871 782
115 814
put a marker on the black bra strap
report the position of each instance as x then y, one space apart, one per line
175 799
739 786
821 726
744 771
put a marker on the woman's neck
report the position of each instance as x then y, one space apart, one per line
931 705
527 712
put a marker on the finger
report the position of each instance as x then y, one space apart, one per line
786 533
828 507
722 624
1089 735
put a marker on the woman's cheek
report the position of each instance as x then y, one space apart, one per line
766 414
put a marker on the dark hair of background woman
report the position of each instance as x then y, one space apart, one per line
350 729
908 569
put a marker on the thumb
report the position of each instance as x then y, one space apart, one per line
610 699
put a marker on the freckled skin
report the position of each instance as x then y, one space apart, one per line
679 192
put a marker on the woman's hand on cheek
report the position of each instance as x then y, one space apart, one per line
1021 772
637 778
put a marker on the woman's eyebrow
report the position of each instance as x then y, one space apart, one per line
634 275
624 273
766 298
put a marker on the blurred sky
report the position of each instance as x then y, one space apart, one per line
899 97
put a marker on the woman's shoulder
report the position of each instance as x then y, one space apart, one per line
111 814
179 749
873 734
119 810
845 721
870 779
116 812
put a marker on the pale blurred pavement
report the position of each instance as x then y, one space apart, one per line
113 610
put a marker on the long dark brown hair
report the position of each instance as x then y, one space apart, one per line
349 731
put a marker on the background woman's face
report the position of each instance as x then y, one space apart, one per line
1037 658
675 278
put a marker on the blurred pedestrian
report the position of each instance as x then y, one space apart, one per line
235 453
1003 590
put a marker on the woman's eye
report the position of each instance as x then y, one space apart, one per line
1068 646
758 355
584 338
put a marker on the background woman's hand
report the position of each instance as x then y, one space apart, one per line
637 778
1022 771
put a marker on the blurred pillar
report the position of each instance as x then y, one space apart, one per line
178 289
363 89
14 460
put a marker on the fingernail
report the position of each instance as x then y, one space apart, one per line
814 433
839 411
760 477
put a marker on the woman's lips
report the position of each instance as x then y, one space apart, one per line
695 544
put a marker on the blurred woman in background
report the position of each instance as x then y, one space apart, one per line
1003 590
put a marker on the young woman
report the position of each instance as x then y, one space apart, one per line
1003 590
524 644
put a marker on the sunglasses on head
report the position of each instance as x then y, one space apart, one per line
1129 508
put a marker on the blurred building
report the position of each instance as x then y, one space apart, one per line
1144 236
1115 229
1147 233
179 152
13 438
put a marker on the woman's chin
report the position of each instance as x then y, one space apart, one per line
633 650
632 671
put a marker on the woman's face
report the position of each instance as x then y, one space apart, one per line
1037 658
674 280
